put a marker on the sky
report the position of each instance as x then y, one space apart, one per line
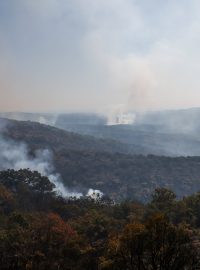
92 55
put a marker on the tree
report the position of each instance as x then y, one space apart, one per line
169 247
157 245
163 201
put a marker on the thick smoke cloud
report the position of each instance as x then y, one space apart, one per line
90 55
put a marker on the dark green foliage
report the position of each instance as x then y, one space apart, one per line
33 181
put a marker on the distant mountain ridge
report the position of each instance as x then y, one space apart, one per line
40 136
86 162
169 133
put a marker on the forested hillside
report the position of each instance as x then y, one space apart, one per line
155 138
169 133
85 162
40 230
41 136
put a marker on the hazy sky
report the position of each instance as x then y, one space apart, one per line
94 54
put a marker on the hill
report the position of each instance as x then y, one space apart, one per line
169 133
149 139
85 162
40 136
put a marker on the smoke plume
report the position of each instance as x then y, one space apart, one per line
15 156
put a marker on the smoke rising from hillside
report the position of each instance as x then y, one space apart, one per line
15 156
94 194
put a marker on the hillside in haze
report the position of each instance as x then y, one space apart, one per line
169 133
40 136
85 162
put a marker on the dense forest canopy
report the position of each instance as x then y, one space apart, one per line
41 230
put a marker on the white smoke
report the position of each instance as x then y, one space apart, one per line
94 194
120 115
15 156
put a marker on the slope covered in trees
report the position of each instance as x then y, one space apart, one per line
85 162
40 230
40 136
169 133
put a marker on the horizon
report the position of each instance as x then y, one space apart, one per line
101 113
